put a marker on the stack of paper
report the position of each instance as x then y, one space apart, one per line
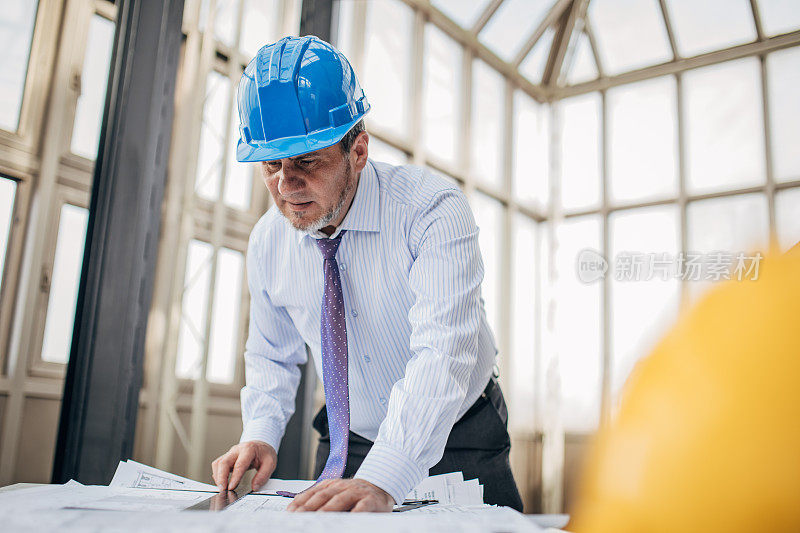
448 489
492 520
147 499
138 476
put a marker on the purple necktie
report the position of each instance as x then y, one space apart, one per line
334 360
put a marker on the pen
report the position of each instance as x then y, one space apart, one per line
408 505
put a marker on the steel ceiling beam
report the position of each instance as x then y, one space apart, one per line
555 63
470 41
668 24
550 19
756 48
485 16
589 31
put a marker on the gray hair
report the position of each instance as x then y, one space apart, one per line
350 137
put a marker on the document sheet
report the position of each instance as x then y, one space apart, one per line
492 519
143 498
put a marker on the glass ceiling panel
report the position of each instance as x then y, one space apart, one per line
512 24
783 79
724 126
630 34
779 16
532 67
702 26
583 67
463 12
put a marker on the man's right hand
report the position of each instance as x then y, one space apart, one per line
240 459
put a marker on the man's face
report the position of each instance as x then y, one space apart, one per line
312 190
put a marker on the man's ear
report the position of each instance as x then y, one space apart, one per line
360 151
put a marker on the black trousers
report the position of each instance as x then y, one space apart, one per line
478 446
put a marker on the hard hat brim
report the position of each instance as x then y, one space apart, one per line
292 146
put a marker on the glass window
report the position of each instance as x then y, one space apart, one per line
630 34
576 306
582 66
779 16
732 225
645 242
64 283
196 288
94 80
487 117
787 221
511 25
8 191
489 218
259 25
344 29
705 25
225 21
225 15
386 153
463 12
643 140
387 67
224 341
532 67
724 126
212 136
783 80
16 31
441 82
522 372
239 176
580 151
531 150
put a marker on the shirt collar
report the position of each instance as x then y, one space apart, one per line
363 214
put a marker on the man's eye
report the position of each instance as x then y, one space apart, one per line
272 166
305 162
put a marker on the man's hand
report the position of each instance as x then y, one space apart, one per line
240 459
354 495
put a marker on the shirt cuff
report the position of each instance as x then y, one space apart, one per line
390 470
265 430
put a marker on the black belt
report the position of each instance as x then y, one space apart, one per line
491 393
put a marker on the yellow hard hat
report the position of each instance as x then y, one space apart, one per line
707 436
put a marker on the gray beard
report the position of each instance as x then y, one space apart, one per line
334 212
328 217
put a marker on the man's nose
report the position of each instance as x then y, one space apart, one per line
288 180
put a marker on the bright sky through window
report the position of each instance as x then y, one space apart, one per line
630 34
94 79
16 32
64 283
512 24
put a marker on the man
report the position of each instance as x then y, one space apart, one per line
377 269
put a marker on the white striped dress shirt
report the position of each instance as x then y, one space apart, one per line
420 351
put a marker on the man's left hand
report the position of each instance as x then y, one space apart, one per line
354 495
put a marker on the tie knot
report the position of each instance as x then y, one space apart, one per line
328 247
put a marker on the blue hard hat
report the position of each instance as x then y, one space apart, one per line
296 96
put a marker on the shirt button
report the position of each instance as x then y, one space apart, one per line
343 266
382 400
367 359
354 313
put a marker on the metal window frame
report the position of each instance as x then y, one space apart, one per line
22 146
46 174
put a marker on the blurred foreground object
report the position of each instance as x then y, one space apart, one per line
707 437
